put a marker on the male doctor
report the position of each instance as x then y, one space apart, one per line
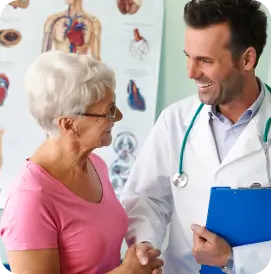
224 40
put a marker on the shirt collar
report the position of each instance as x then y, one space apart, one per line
248 114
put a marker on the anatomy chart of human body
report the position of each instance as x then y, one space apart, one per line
73 30
120 33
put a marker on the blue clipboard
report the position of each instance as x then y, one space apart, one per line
240 216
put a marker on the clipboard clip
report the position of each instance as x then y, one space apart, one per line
255 186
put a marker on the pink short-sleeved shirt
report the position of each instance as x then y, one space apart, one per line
42 213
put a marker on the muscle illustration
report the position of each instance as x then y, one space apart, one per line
80 33
9 37
129 6
23 4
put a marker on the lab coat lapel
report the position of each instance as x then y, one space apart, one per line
201 139
251 139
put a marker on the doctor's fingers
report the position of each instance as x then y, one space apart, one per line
142 252
198 242
202 232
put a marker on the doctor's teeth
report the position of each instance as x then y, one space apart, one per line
204 85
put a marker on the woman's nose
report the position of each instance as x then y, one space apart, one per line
118 116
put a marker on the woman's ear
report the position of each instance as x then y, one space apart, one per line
68 126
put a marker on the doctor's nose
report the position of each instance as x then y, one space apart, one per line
193 70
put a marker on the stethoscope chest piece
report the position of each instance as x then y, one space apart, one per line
180 180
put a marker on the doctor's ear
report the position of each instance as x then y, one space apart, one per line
67 126
249 59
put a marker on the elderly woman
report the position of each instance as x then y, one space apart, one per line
62 215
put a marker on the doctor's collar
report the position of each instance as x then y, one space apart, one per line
247 115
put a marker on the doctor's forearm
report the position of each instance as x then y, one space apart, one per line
149 228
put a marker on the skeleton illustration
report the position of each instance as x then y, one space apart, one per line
73 31
124 145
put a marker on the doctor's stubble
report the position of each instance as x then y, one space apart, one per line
226 91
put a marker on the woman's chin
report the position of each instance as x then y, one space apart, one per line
106 140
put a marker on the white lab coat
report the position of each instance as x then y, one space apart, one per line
152 201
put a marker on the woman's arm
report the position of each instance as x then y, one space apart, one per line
29 231
43 261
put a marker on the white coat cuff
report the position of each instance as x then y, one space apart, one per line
251 259
140 239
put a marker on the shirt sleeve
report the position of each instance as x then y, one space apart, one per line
28 222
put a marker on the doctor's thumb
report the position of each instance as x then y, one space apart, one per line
199 230
142 252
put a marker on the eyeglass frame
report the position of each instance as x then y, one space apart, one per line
101 115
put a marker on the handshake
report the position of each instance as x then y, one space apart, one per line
141 259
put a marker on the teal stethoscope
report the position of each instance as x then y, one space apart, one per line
180 179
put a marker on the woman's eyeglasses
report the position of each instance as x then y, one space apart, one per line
110 115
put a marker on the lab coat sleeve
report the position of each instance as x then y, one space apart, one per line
252 259
147 196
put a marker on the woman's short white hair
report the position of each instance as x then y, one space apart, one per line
63 84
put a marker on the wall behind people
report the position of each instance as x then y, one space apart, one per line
173 82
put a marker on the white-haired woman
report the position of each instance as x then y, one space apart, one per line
63 215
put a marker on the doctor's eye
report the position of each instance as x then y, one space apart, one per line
206 61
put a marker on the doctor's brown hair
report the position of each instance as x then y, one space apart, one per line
247 22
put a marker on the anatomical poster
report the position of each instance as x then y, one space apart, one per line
125 34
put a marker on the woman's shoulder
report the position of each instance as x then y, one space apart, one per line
31 183
31 177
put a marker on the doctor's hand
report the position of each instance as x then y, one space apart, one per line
132 265
209 249
146 252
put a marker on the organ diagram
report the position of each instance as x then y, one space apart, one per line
124 145
73 31
23 4
135 99
4 85
139 46
129 6
9 37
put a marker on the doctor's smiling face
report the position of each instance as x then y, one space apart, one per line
219 76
